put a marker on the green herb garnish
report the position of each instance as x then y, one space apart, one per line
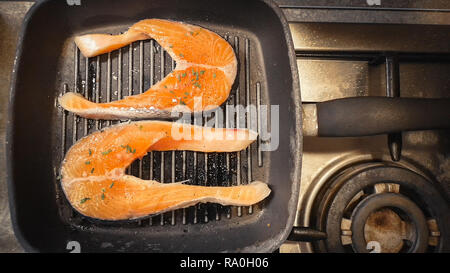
129 149
196 75
103 196
186 93
106 152
181 55
202 72
214 75
90 152
84 200
92 170
112 184
197 85
87 162
183 75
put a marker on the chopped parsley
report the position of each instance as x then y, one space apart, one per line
182 102
181 55
90 152
214 75
202 72
197 85
195 74
165 86
106 152
92 170
84 200
87 162
186 93
112 184
103 196
183 75
129 149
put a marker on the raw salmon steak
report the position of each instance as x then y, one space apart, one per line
205 71
95 183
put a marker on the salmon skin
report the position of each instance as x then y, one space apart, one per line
205 71
95 183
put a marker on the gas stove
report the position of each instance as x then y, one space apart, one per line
380 189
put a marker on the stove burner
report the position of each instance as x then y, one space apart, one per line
385 227
369 224
381 207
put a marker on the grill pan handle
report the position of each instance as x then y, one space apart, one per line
365 116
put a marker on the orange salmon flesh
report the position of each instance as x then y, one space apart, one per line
95 183
205 71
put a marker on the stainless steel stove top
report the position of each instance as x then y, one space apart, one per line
339 57
349 35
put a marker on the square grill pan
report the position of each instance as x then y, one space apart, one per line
40 132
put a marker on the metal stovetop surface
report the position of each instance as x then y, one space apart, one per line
302 14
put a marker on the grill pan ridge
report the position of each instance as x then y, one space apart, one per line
42 217
98 79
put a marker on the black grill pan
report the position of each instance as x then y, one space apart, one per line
39 132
